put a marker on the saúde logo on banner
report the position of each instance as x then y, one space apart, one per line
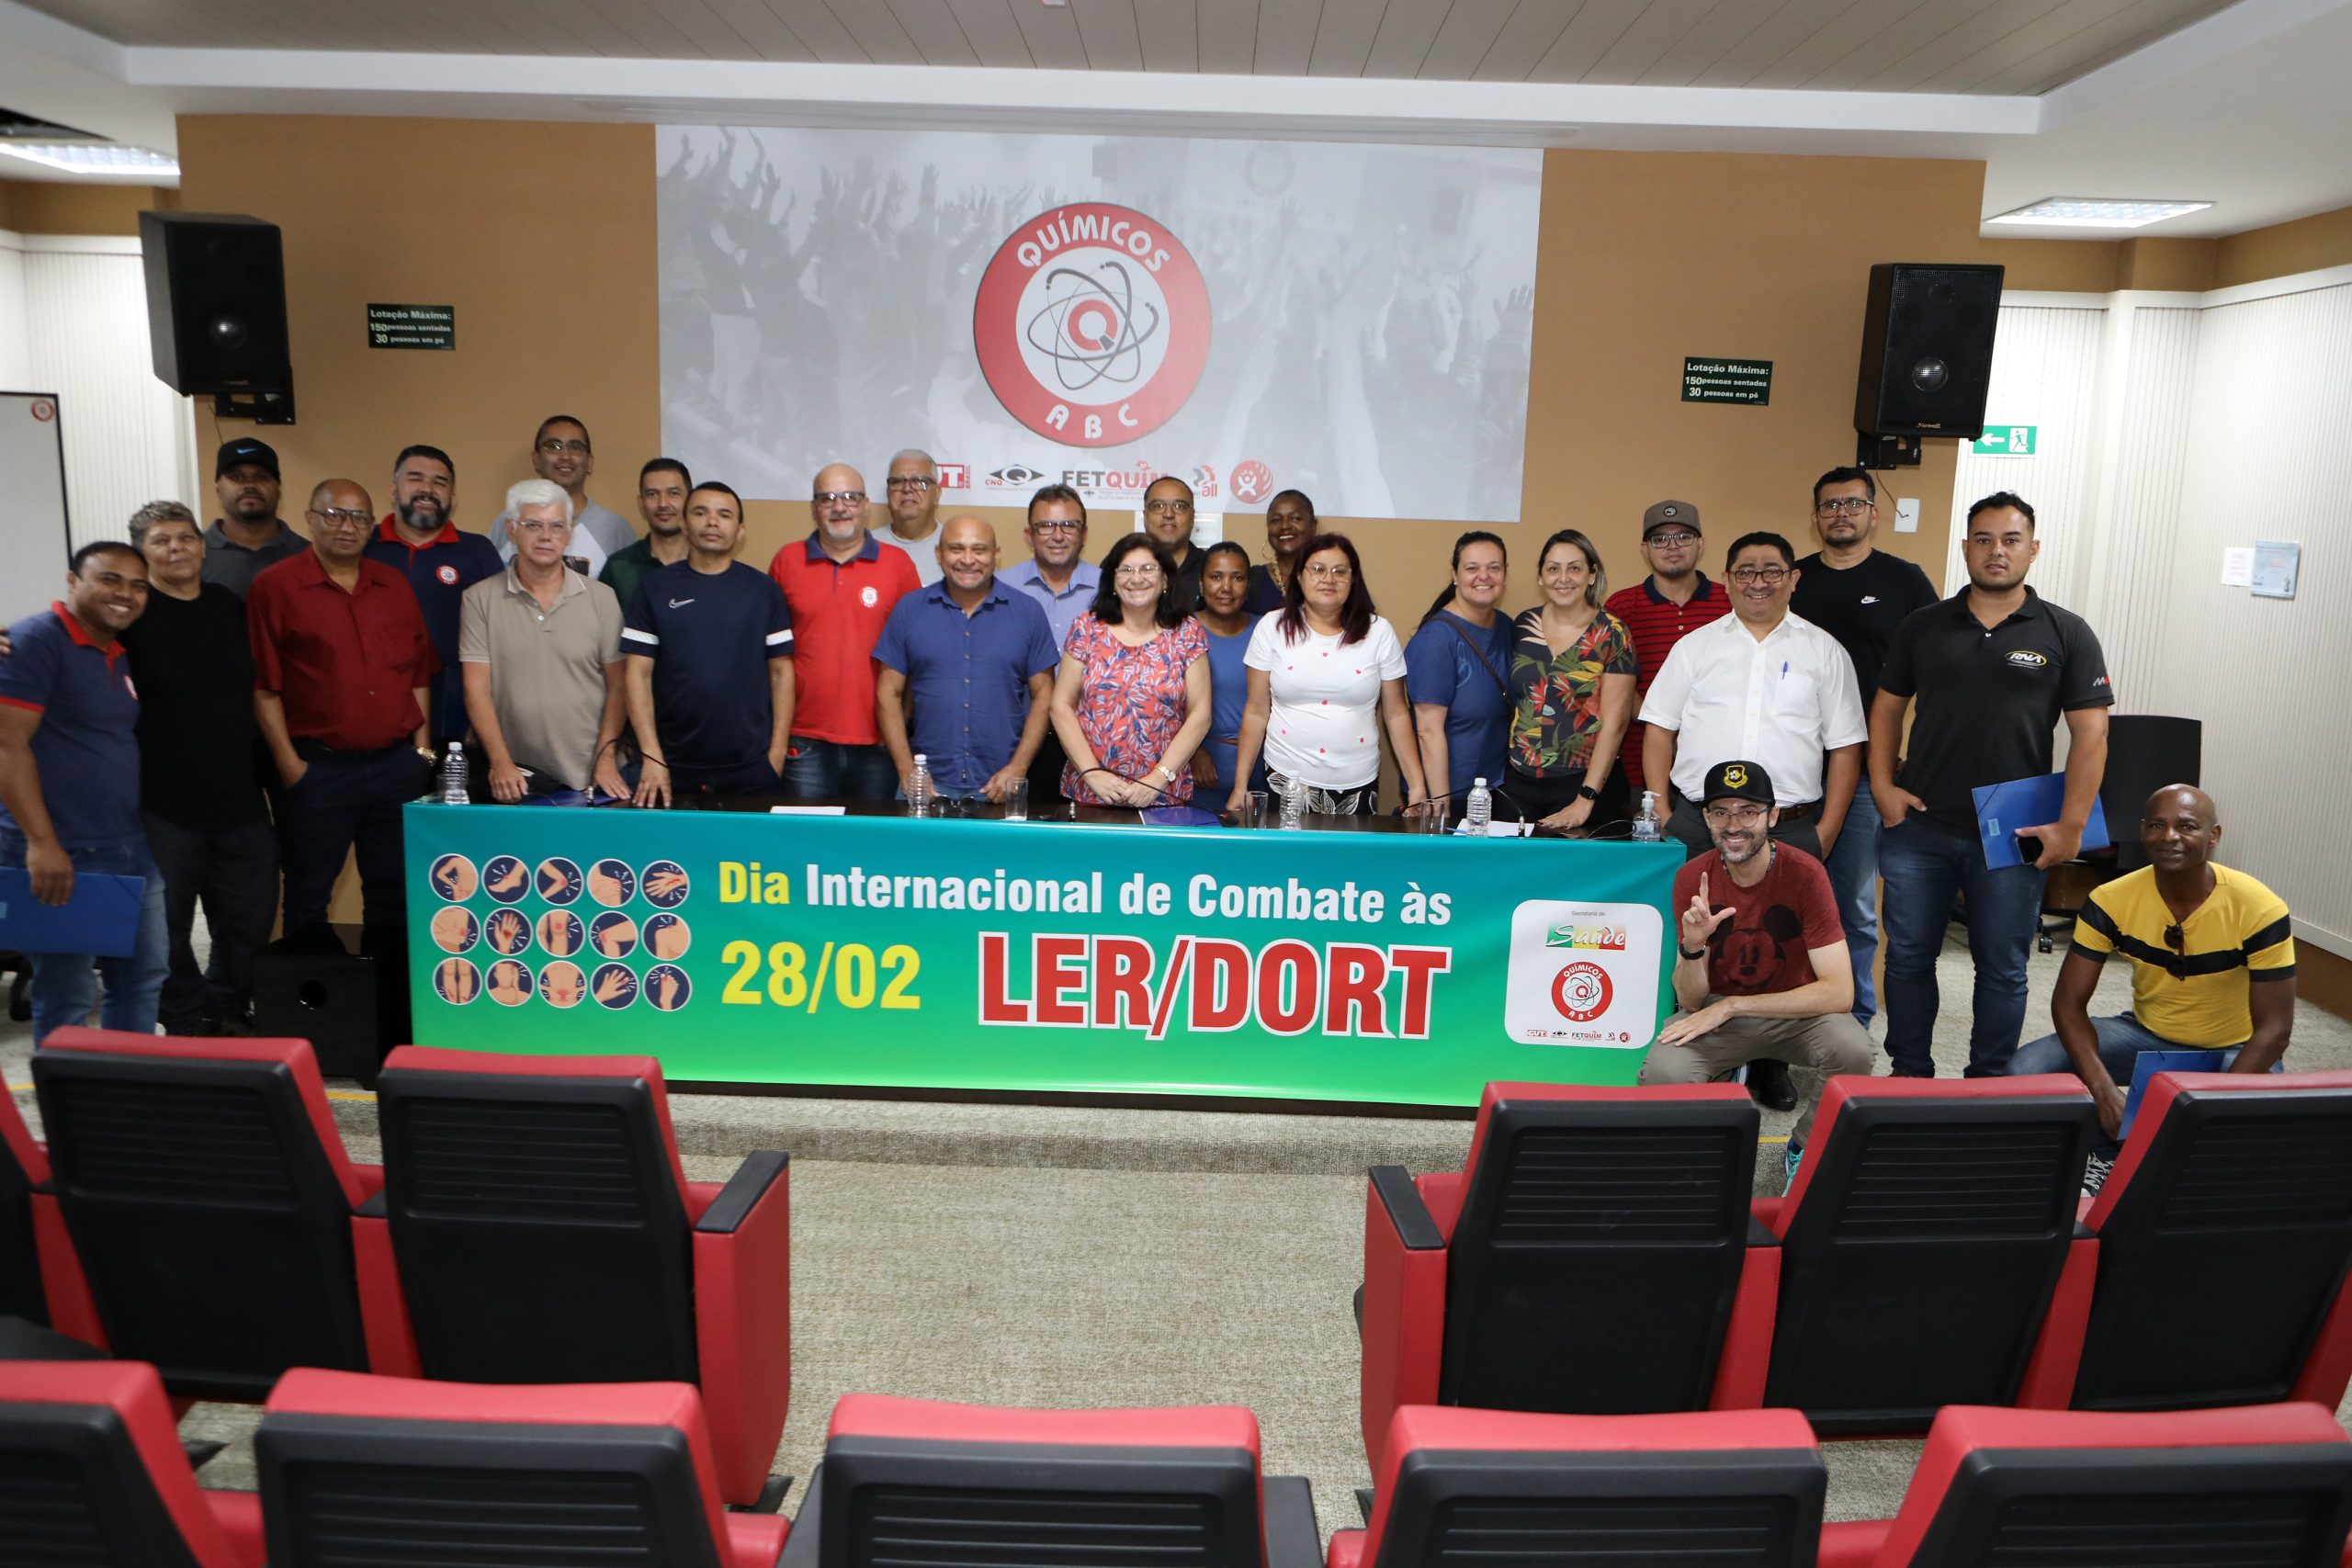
1583 974
1092 324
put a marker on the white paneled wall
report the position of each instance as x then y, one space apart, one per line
2173 426
81 305
15 347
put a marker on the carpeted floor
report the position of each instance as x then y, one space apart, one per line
1061 1255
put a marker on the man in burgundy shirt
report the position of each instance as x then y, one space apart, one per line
1761 970
1675 599
343 670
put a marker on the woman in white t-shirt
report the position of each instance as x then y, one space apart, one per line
1326 676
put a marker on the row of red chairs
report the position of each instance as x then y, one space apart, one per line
195 1208
359 1472
1600 1252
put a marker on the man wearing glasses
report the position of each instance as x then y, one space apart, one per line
560 454
914 511
342 670
1064 583
1167 518
1675 599
2213 955
1761 971
842 583
1765 684
1858 596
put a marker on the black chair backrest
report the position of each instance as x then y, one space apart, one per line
213 1230
20 1287
2249 1191
1599 1247
73 1490
1739 1509
910 1503
539 1228
1921 1260
2258 1506
352 1492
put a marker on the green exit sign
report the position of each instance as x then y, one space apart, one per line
2008 441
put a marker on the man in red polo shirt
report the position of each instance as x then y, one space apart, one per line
342 668
841 585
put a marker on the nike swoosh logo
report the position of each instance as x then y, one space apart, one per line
680 604
1867 599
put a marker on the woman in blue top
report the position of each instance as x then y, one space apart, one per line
1457 673
1225 586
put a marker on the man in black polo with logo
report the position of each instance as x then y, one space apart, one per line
1993 669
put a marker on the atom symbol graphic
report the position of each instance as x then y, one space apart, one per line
1088 330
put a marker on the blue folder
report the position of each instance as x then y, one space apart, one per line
2150 1064
100 918
2003 809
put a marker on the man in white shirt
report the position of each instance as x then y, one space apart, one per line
914 511
562 455
1763 686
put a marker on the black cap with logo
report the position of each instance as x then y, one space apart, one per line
245 449
1738 781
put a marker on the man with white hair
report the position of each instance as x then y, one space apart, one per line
539 652
418 540
914 511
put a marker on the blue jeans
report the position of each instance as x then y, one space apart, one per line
1922 867
1853 876
64 984
833 769
2121 1038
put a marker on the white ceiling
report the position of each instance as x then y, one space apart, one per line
2242 103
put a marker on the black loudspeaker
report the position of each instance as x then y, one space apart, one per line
216 302
1928 349
2144 753
342 990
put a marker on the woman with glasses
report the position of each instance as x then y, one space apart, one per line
1572 672
1457 672
1225 589
1131 702
1326 676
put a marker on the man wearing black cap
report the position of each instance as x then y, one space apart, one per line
249 534
1761 971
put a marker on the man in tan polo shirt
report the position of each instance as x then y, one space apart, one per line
540 647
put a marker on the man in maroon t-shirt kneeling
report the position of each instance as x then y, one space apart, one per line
1760 968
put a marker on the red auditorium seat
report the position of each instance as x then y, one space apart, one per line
36 1261
908 1481
1921 1248
92 1473
1708 1487
2261 1486
1595 1255
210 1203
545 1232
360 1472
2225 1237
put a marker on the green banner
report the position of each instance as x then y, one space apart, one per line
959 953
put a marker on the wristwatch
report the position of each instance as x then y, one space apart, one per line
1693 957
1586 791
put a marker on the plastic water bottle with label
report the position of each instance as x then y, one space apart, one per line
1645 828
1480 811
918 790
453 777
1293 804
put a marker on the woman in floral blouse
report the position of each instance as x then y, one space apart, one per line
1572 682
1131 701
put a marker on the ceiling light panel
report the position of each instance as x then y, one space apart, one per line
2096 212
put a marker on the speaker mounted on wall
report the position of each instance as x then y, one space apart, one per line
216 312
1927 357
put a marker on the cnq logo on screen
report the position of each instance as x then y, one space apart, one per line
1092 324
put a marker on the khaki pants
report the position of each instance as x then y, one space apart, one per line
1834 1042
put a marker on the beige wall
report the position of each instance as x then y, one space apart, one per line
542 236
44 207
2096 266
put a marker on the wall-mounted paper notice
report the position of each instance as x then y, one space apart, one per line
1906 516
2237 566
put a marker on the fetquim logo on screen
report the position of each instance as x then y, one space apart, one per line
1092 325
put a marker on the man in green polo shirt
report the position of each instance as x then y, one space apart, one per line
661 488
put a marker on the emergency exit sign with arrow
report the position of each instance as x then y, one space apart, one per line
2008 441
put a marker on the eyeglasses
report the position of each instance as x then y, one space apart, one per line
1851 505
1166 508
538 526
832 497
341 515
1055 525
2175 938
1770 576
1671 541
1136 574
907 482
1330 573
1744 816
555 449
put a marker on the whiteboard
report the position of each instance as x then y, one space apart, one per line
34 543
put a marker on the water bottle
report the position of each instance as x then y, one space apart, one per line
1480 811
1646 829
1293 804
453 777
918 790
